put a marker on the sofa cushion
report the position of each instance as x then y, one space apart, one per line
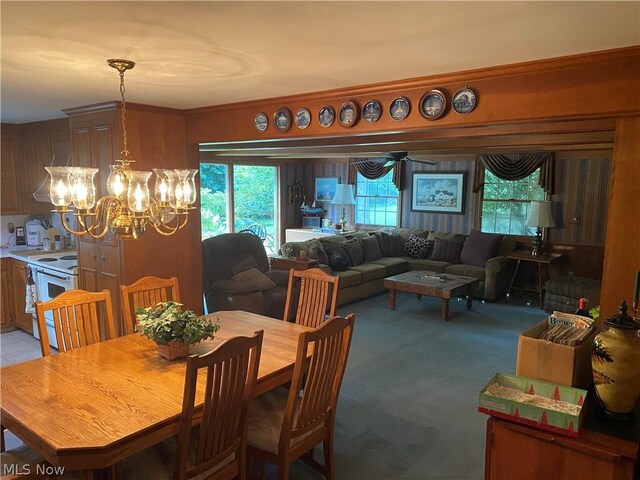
390 245
456 237
348 278
479 247
394 265
316 251
407 233
426 264
354 251
370 271
446 251
418 247
245 263
466 271
370 248
338 260
255 277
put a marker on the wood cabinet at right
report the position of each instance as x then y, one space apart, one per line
518 452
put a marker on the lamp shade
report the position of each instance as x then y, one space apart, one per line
344 195
540 215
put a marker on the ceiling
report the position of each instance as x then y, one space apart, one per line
194 54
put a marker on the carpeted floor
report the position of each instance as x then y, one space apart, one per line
408 405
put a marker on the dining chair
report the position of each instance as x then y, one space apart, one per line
315 288
76 319
146 292
217 446
287 424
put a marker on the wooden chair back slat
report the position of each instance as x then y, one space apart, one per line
313 301
146 292
76 319
231 374
320 364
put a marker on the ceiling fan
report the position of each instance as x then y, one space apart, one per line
392 157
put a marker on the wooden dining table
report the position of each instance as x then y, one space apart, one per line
91 407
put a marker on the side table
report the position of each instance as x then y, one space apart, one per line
525 256
281 262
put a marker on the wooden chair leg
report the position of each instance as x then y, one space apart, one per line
329 463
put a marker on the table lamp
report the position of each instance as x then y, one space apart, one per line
540 216
344 196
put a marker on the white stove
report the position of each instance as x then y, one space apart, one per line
54 272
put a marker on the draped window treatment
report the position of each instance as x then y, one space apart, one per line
515 167
374 170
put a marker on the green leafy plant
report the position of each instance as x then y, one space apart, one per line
595 313
167 322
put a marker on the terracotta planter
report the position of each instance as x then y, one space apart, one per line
174 350
615 360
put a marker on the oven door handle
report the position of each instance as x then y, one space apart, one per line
52 275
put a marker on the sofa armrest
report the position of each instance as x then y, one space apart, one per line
279 277
233 286
498 274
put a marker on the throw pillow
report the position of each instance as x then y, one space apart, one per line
337 257
354 251
446 251
390 245
255 277
370 249
479 247
316 252
418 247
245 263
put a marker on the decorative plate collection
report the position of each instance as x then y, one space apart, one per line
433 105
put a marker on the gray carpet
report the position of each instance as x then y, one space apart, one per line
408 405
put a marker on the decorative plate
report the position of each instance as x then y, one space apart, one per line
303 118
372 111
261 121
282 119
399 109
348 115
433 104
464 101
326 116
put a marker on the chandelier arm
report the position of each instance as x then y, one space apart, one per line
91 230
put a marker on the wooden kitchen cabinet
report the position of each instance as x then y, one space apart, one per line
602 451
157 140
10 198
18 274
6 320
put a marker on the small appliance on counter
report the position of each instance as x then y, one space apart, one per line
36 229
20 236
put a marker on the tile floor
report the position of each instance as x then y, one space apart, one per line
17 347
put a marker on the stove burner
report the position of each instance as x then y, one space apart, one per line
47 259
69 257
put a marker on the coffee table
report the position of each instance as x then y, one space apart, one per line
431 284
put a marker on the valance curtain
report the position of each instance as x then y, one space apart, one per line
516 166
374 170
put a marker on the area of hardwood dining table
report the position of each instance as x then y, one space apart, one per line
94 406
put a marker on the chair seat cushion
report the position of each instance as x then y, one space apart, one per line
255 277
265 424
370 271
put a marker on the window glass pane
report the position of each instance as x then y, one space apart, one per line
505 204
213 198
376 201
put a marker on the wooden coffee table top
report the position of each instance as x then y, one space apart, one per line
441 285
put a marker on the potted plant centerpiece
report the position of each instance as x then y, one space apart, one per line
173 328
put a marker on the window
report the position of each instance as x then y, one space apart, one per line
377 201
238 197
505 203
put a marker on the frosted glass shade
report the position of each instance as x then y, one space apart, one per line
540 215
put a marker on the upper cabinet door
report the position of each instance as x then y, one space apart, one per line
10 199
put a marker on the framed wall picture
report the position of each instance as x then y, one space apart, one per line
326 188
441 192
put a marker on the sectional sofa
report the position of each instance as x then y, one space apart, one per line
366 267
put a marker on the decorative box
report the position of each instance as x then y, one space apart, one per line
544 405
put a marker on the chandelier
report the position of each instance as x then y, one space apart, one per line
129 208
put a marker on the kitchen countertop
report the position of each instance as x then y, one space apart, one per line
22 252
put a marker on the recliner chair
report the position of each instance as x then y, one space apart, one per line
224 256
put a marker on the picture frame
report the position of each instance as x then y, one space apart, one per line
438 192
303 118
464 101
326 188
282 119
326 116
372 111
433 104
399 108
261 121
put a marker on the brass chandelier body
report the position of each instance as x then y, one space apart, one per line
129 208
